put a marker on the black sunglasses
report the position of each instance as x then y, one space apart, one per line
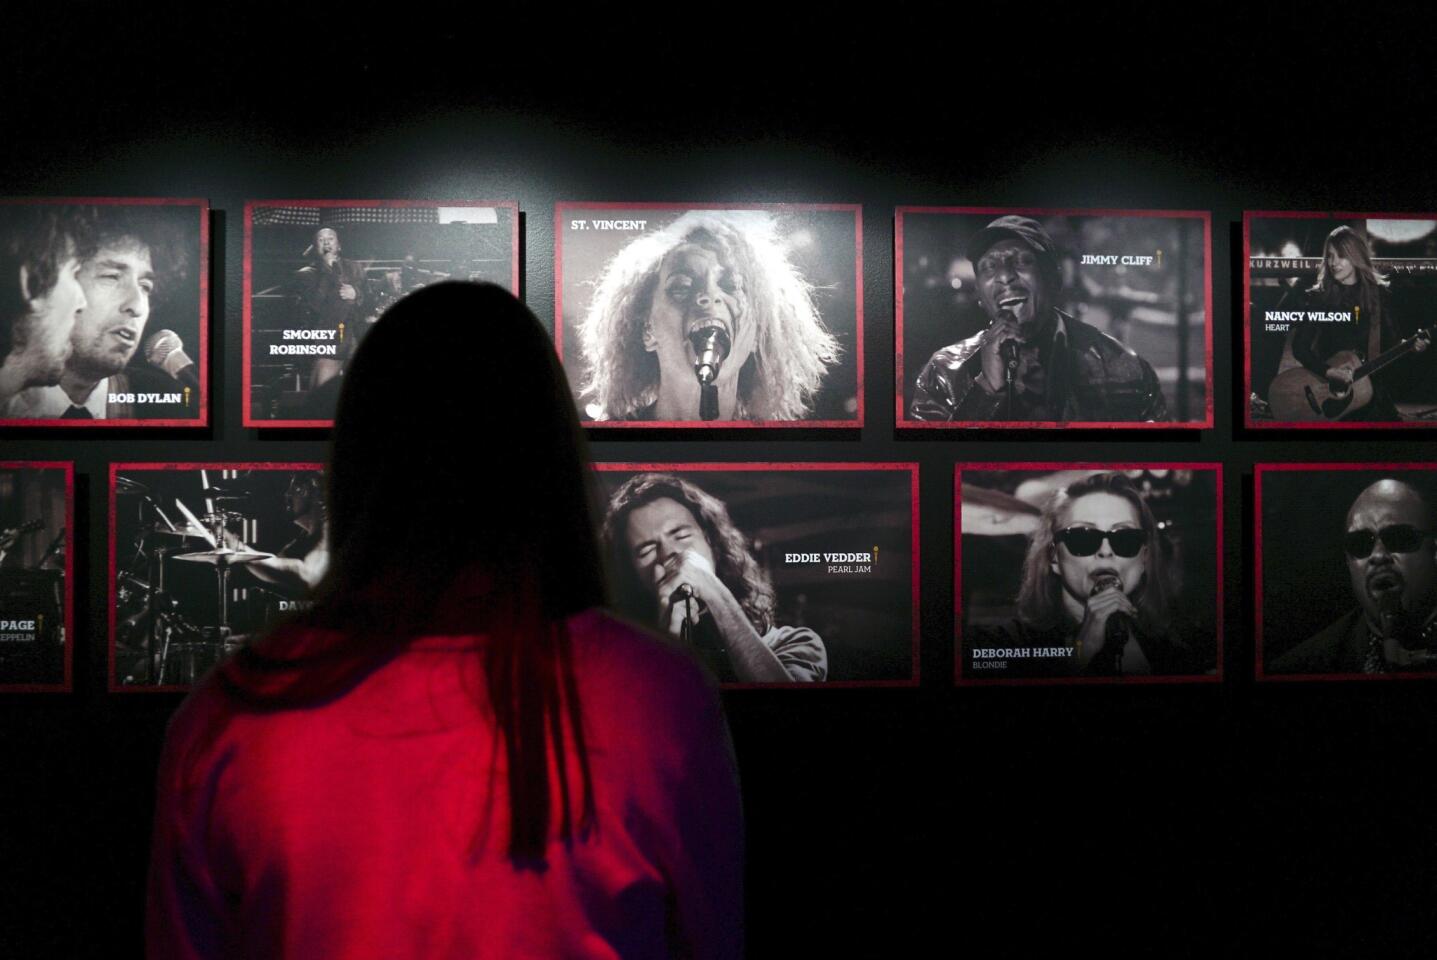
1085 541
1398 538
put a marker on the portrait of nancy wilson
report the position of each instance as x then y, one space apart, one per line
724 274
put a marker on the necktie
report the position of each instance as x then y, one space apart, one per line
77 413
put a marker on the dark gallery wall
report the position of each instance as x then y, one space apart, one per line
1179 819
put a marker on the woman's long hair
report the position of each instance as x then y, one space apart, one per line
1350 245
1040 599
793 350
457 504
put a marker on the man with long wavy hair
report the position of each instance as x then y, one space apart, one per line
677 560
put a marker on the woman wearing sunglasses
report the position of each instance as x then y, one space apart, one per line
1096 593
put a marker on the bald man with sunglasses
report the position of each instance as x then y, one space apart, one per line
1392 570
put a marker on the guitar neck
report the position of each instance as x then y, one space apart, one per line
1390 356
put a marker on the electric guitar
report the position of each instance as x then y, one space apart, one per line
1300 394
8 538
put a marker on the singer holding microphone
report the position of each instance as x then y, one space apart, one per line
1392 569
1034 362
1096 583
120 281
705 319
677 561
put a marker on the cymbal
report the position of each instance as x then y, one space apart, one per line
237 487
124 486
223 516
992 513
223 557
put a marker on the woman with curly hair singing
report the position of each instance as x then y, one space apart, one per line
723 271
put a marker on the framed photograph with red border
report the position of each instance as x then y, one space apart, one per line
204 556
319 273
1341 309
1074 573
1346 571
1047 318
775 574
37 606
109 313
711 315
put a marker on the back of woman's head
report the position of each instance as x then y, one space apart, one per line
457 504
457 449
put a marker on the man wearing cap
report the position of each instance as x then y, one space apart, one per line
1392 569
1034 362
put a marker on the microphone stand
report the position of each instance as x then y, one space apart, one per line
686 629
708 402
1009 351
1010 366
685 595
1118 637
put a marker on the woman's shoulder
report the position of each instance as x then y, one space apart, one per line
612 642
197 731
614 656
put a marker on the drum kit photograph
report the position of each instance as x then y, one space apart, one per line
165 637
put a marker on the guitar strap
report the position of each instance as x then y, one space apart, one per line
1374 336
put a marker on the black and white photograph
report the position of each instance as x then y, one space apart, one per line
1053 318
695 315
1073 573
775 573
105 314
36 526
1341 312
1347 570
202 558
320 273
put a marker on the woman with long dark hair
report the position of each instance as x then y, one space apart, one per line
1347 282
453 753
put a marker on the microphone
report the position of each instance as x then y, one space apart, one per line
685 595
1008 350
165 349
1118 629
1394 621
711 345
